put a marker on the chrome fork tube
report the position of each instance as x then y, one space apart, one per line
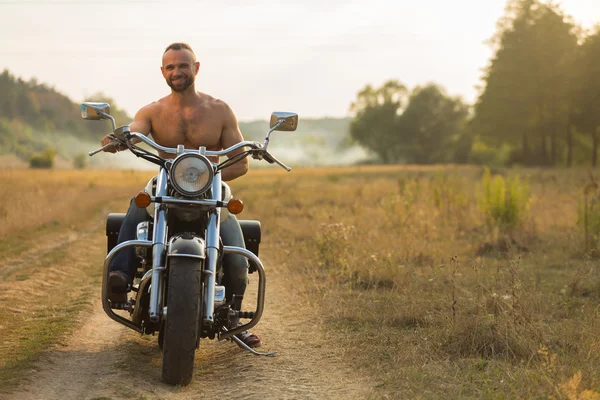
159 239
212 253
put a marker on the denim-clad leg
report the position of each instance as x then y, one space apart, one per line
126 260
235 266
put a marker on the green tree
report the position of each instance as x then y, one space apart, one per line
32 114
425 127
524 103
375 122
45 159
432 126
586 92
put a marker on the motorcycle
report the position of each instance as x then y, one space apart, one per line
177 290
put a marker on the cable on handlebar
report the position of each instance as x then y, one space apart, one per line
234 159
146 155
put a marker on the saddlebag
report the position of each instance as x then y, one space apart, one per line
251 231
113 226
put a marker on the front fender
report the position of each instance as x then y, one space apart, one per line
188 246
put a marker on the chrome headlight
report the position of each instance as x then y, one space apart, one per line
191 174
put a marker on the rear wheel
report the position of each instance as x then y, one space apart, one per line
181 325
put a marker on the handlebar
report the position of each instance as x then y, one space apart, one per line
262 153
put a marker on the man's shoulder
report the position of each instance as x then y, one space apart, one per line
212 102
151 108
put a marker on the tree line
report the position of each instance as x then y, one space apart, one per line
537 103
32 114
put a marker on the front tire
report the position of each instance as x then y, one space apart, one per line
181 325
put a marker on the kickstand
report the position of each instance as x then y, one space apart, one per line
250 349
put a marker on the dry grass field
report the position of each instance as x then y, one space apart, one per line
51 251
432 289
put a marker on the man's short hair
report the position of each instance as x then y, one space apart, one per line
179 46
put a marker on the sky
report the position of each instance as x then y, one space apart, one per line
305 56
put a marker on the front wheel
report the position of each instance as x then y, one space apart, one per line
181 325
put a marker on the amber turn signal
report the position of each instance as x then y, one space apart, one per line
235 206
142 200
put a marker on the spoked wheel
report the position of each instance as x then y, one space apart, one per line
181 324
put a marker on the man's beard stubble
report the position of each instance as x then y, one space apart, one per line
187 82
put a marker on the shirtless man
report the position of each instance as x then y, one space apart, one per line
193 119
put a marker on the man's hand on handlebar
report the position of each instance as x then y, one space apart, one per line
114 147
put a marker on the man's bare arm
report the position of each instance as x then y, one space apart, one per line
229 136
141 123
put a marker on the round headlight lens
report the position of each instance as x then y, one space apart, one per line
191 174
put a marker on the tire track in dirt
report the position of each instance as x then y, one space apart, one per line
43 244
104 360
84 368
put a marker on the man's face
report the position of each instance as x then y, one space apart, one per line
179 68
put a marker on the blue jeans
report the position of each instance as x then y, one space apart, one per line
235 267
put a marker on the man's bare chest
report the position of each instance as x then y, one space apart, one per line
192 129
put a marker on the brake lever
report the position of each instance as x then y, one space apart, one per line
270 158
91 153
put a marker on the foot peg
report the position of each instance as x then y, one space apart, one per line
250 349
128 306
245 314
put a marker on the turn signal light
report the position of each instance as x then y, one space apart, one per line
142 200
235 206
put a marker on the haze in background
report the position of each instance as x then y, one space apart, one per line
304 56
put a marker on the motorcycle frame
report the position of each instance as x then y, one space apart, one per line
160 255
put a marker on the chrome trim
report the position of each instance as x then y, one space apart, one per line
143 229
108 116
93 110
159 238
219 295
250 349
185 256
208 153
171 150
225 152
283 121
91 153
212 253
175 200
260 297
122 132
107 260
209 168
146 275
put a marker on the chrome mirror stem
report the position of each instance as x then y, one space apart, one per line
105 115
266 144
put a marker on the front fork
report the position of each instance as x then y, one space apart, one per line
212 257
210 270
159 259
158 250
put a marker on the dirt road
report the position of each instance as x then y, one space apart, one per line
104 360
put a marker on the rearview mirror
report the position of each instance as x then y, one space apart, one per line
95 111
284 121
